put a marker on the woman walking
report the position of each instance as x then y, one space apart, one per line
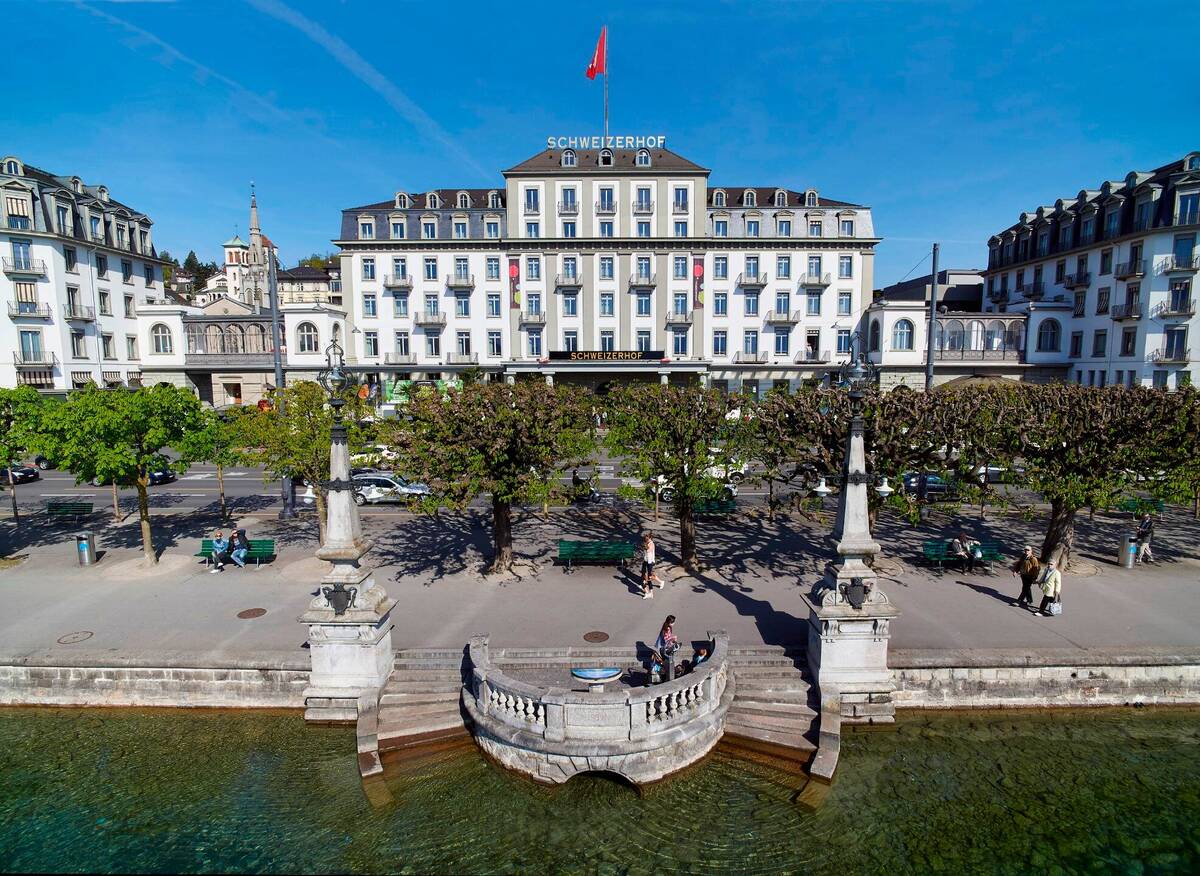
1028 567
1051 587
648 576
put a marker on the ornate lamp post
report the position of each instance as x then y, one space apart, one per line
349 620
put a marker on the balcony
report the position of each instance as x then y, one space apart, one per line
606 208
643 281
752 281
28 310
1000 354
534 209
1191 217
398 359
677 317
1177 264
643 208
97 237
821 280
999 294
79 313
533 317
24 267
34 359
810 356
679 209
227 359
1178 309
391 281
782 317
567 281
1032 291
1126 270
1073 281
1174 355
741 357
462 358
568 208
460 281
426 318
1131 310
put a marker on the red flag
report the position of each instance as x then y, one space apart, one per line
600 56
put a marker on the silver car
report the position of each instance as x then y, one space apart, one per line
376 487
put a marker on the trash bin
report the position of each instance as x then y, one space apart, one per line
1128 551
85 548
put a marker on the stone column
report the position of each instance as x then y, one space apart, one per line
664 377
549 378
351 652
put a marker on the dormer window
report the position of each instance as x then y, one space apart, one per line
810 199
749 199
1193 162
432 201
568 158
12 167
606 158
464 201
643 158
76 184
103 193
494 200
718 199
401 200
781 199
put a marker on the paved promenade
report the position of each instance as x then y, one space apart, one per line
752 588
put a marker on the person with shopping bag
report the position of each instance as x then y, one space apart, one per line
1051 584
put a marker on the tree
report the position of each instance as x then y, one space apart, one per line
218 442
505 440
121 436
1176 464
669 432
20 411
191 264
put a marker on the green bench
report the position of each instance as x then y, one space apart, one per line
715 506
68 508
1134 505
600 552
936 551
260 549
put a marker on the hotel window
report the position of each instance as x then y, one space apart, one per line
460 230
813 302
1128 341
1189 208
568 200
720 343
366 230
681 303
606 199
533 268
643 268
814 228
1080 303
535 342
845 301
607 341
397 231
371 344
643 158
64 220
571 341
750 342
1049 336
433 344
643 198
78 345
70 259
494 348
1159 380
368 269
107 347
160 338
720 267
752 228
493 304
681 198
120 237
429 230
783 228
783 303
643 341
369 308
814 266
843 340
679 345
126 271
606 267
148 274
400 268
847 228
1106 260
462 305
1043 243
131 348
720 228
845 267
606 228
533 303
570 304
1060 270
128 301
752 267
720 304
1076 345
568 229
18 213
681 229
462 268
783 339
493 230
1099 344
568 158
718 199
751 302
101 265
750 199
105 303
679 264
643 304
643 229
783 267
400 305
1088 230
493 267
532 229
532 201
1102 295
606 304
462 342
432 201
432 305
401 344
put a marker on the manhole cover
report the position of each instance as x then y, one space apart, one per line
251 613
595 636
72 638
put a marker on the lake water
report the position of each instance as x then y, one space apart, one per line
1110 791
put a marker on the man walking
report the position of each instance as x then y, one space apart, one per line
1028 567
1144 531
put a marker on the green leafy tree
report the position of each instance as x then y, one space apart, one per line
191 263
217 442
20 417
508 441
1175 468
668 432
122 437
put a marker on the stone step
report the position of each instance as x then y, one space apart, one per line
328 714
749 706
403 685
429 653
399 714
798 724
395 698
410 674
786 697
421 739
425 725
767 690
775 737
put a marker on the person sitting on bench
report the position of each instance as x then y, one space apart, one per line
220 552
239 546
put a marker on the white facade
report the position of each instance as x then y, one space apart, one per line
77 268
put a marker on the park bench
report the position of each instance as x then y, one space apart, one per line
715 506
1134 505
936 551
68 508
601 552
260 549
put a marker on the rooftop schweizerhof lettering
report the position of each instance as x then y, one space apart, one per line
614 141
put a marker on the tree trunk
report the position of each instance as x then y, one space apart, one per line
1196 506
116 503
1060 534
687 535
12 488
771 500
144 514
319 500
657 490
502 535
221 490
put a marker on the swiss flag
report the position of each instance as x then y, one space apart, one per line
599 62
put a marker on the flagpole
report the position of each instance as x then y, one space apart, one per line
606 86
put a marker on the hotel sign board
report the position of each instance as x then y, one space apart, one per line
613 141
607 355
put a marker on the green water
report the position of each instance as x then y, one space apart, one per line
1081 792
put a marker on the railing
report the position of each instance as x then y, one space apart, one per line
782 316
1124 270
568 208
536 317
28 310
462 358
752 280
742 357
391 281
460 281
676 317
425 318
34 358
567 281
1177 309
1004 354
816 356
1171 356
398 359
643 208
1143 224
679 208
1178 264
1081 278
79 312
643 281
1132 310
815 280
1189 217
999 294
96 237
19 223
35 267
606 208
228 359
1033 290
533 209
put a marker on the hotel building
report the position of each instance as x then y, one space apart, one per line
591 265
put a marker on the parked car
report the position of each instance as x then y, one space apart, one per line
158 476
21 474
379 487
733 470
727 490
42 462
935 484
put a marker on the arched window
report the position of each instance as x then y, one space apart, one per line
337 333
749 199
235 340
994 339
810 199
402 201
256 340
1049 336
160 339
873 338
568 158
214 340
975 335
643 158
939 336
494 200
781 199
10 167
1193 163
464 201
307 338
902 335
195 339
1014 337
719 199
954 335
605 159
431 201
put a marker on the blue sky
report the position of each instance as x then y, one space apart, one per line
947 118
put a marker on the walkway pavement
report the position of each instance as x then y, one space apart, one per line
758 571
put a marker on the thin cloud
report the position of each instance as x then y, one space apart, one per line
361 69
